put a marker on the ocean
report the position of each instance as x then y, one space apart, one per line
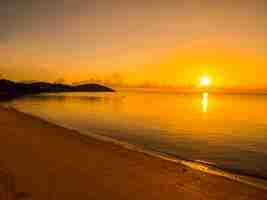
228 131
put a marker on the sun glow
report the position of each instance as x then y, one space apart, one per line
205 81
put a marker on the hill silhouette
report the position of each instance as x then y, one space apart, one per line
10 90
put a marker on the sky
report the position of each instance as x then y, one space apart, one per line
141 42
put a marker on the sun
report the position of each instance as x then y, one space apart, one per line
205 81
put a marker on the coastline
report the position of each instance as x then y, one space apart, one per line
178 177
254 181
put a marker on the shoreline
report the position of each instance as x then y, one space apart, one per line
196 165
205 171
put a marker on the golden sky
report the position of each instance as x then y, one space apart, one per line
135 42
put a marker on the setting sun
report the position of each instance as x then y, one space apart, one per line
205 81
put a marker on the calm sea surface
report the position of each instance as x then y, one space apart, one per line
229 131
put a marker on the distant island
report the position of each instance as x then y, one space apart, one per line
10 90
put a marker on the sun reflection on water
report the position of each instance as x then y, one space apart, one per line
205 102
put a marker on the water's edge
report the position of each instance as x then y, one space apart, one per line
203 167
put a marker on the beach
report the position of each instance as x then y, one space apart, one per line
45 161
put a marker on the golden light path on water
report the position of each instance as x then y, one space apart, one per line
205 102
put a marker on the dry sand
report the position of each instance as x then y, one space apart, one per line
50 162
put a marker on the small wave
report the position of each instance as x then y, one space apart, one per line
207 167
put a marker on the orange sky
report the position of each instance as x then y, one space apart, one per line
164 43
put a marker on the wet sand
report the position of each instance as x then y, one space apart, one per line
46 161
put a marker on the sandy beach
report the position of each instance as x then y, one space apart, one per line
44 161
